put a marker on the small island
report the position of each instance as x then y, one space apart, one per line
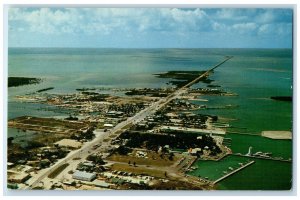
45 89
282 98
19 81
181 78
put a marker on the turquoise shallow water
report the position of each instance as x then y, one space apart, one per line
262 175
254 74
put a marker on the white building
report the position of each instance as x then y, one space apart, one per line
108 125
84 176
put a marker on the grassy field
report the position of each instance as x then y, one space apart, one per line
57 171
152 158
49 122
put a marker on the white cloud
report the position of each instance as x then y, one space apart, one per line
247 28
219 26
232 14
266 17
280 29
130 22
106 20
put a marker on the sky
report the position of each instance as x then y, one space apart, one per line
150 27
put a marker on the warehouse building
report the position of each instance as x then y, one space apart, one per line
84 176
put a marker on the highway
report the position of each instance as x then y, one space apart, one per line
87 148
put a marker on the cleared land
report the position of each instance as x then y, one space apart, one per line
46 124
142 170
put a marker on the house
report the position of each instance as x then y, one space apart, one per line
194 151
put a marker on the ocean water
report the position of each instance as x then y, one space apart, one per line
254 74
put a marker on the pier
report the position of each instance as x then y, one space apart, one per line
233 172
264 158
242 133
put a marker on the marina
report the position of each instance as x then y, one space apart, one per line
233 172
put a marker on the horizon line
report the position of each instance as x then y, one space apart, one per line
156 47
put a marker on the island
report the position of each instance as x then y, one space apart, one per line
19 81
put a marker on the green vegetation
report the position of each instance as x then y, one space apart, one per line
46 89
57 171
97 159
180 75
173 139
19 81
34 145
213 86
94 96
183 77
71 118
153 92
13 186
85 89
282 98
48 122
88 134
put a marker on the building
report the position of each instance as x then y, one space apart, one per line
108 125
17 177
102 184
194 151
114 113
84 176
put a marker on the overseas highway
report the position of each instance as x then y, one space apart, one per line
87 148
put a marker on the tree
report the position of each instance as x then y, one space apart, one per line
96 159
9 140
122 150
171 156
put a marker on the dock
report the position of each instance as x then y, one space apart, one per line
241 133
215 131
233 172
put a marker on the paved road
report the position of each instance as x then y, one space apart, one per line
86 149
